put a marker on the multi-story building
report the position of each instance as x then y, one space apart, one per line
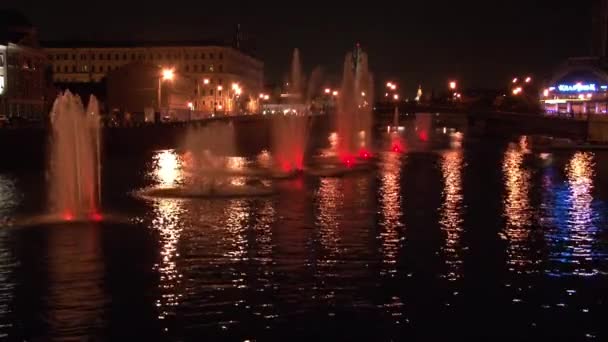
23 68
218 70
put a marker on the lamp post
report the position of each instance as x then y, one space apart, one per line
219 88
166 75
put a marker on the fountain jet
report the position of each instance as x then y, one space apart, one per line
74 162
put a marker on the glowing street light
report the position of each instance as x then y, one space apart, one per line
528 79
515 80
396 96
453 85
362 93
335 93
206 81
546 93
327 90
517 91
165 75
266 97
220 88
190 105
389 84
168 74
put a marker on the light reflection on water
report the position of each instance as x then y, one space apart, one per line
169 223
390 203
451 211
517 207
573 216
315 256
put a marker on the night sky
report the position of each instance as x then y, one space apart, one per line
424 42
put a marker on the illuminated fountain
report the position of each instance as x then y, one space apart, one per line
210 168
74 163
290 130
353 120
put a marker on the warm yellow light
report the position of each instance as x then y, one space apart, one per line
234 86
396 97
453 85
219 107
362 93
206 81
335 93
394 86
327 90
261 96
190 105
515 80
389 85
168 74
546 92
528 79
266 97
220 88
238 91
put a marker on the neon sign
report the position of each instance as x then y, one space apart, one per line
579 87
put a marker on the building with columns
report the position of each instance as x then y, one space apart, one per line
218 70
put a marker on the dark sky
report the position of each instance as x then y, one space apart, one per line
482 44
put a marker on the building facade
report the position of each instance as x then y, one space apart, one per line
24 85
215 68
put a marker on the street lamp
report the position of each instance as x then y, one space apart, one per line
205 81
219 88
335 93
453 85
166 75
327 91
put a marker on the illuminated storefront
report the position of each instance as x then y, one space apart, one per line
579 87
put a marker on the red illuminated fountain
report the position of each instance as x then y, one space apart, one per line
74 162
290 130
353 120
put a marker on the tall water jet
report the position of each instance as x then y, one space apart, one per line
289 139
354 112
290 129
74 162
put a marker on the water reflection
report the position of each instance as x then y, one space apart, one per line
573 232
390 204
169 223
330 199
451 211
9 199
76 272
517 208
